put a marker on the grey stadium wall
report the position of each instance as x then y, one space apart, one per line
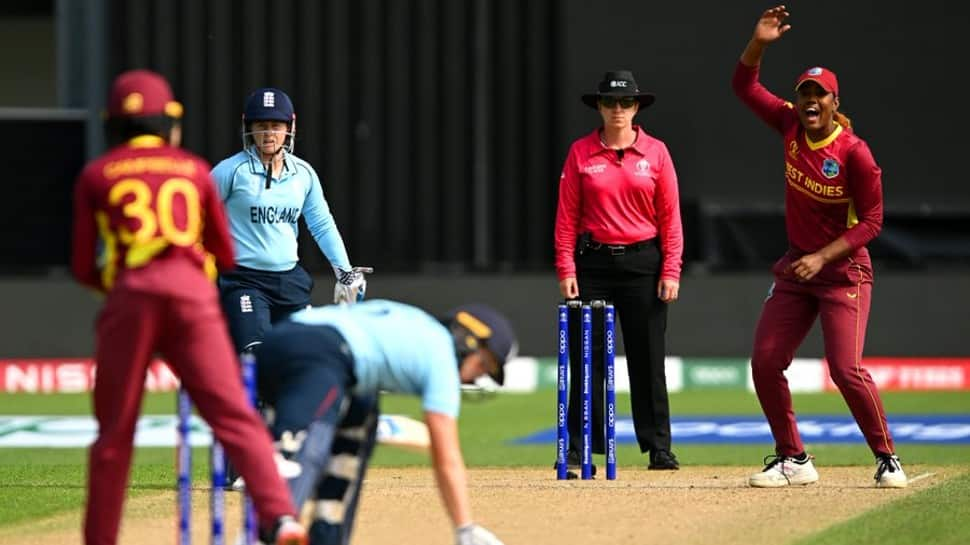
912 315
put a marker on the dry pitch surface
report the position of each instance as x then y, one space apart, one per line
696 505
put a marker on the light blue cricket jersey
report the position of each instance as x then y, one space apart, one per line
263 222
397 348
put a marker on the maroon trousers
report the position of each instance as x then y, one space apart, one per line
192 337
788 314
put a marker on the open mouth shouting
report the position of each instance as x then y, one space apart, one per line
811 114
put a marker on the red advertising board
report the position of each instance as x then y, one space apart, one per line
915 374
69 375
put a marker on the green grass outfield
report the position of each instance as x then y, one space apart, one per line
35 482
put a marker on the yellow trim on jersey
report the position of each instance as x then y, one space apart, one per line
110 251
852 219
146 141
141 252
825 141
208 263
816 197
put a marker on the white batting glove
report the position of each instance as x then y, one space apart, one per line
350 287
474 534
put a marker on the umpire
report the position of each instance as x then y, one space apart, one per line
618 237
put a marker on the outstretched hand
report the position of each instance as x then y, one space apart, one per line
771 25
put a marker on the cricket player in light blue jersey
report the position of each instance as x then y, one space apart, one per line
321 371
266 189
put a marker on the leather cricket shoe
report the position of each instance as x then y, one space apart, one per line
573 462
889 473
784 471
663 460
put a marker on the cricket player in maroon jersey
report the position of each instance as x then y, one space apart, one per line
833 207
146 215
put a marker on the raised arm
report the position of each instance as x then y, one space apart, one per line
775 111
769 28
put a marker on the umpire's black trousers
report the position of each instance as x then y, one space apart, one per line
628 278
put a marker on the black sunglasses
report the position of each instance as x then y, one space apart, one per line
624 102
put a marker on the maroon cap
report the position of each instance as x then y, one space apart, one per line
141 93
822 76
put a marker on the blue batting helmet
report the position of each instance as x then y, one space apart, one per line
475 326
268 104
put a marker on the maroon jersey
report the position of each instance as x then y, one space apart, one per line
833 187
147 218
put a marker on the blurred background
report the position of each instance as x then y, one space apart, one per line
439 127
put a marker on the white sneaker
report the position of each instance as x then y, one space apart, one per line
784 471
889 473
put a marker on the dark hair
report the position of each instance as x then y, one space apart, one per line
122 129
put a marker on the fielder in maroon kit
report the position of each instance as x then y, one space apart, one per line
833 207
150 212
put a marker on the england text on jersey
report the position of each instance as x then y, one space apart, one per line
273 214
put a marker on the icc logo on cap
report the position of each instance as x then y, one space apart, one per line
815 71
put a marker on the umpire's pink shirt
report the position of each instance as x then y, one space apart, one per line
619 201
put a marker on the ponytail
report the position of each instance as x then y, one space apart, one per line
841 119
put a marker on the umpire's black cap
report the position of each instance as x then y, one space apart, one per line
618 83
476 325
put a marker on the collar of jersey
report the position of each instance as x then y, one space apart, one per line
256 166
825 141
639 145
146 141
